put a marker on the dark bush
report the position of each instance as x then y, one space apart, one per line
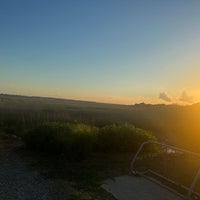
79 140
83 139
122 138
56 138
47 137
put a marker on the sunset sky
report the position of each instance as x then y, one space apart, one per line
116 51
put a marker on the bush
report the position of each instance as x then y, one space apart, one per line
74 140
79 140
122 138
83 138
48 137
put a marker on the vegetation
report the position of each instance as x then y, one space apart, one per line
87 174
177 125
101 137
80 140
122 138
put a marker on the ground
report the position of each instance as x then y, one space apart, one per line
28 176
25 175
137 188
20 181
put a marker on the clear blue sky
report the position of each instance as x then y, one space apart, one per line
109 50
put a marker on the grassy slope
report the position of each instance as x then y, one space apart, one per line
177 124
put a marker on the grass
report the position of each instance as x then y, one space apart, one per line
91 172
87 175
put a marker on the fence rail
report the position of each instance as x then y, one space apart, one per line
168 149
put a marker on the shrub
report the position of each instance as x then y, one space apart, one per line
48 137
74 140
79 140
122 138
83 140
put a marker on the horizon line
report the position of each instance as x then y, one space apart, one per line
97 102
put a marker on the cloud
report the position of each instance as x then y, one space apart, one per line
165 97
186 98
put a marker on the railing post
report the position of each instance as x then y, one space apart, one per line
193 184
135 157
175 149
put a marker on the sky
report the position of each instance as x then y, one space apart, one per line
115 51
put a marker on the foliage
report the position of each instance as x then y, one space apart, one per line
176 125
56 138
122 138
80 140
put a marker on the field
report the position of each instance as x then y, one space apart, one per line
88 142
178 125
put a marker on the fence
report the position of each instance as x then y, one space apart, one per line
174 168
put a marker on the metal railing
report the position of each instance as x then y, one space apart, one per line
190 193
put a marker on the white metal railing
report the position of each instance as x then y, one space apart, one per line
190 190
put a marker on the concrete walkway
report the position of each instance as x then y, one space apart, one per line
137 188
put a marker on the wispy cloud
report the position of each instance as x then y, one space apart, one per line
164 96
186 98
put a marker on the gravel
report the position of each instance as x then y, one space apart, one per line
20 182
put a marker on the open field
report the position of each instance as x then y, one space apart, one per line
179 125
86 143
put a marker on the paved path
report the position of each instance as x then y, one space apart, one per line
137 188
20 182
